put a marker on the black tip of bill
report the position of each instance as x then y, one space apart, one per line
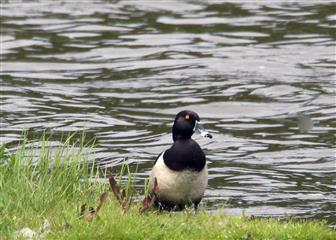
208 135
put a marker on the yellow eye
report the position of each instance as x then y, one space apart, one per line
187 117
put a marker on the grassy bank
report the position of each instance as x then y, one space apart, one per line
53 184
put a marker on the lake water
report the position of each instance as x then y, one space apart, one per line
261 74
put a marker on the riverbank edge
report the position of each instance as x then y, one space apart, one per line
51 185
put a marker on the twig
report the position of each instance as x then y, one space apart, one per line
150 199
102 199
114 188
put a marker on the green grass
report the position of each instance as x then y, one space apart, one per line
54 184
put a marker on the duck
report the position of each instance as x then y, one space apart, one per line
181 172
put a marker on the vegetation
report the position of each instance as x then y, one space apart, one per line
55 184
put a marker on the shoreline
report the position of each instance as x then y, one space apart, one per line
33 193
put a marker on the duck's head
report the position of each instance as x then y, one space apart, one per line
186 123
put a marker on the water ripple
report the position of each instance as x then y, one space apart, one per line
261 76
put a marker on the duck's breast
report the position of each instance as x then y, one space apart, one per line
179 187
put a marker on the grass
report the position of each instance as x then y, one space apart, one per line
53 183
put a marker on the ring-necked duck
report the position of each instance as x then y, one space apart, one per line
181 171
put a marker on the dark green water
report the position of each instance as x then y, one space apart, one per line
260 74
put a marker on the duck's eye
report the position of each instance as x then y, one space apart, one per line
187 117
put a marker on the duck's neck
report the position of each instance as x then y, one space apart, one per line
180 137
179 134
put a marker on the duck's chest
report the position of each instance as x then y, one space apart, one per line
184 154
181 185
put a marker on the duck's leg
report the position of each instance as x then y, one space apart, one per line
179 207
196 204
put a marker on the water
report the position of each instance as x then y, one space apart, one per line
260 74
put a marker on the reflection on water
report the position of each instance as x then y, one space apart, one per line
261 75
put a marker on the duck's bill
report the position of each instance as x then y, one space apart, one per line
200 130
